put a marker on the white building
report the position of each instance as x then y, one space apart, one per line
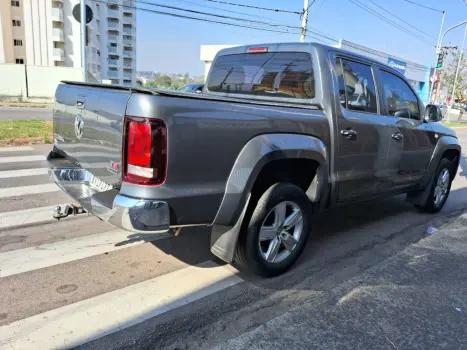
45 33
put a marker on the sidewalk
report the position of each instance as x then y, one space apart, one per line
416 299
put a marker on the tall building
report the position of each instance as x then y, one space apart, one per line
45 33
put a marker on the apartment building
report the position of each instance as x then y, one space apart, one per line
45 33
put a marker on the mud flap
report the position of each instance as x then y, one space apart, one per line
224 238
420 197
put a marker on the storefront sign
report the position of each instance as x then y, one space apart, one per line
400 66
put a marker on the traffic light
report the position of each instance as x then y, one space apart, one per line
440 60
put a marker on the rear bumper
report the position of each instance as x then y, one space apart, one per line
131 214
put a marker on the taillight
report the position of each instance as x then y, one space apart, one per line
144 151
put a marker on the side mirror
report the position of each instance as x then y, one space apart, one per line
403 113
432 113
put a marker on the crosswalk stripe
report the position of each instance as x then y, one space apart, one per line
24 172
16 149
27 190
45 255
21 159
26 217
93 318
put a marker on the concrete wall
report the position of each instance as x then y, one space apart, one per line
42 81
34 81
13 81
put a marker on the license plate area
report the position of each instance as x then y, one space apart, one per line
99 184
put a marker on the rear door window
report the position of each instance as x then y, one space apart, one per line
274 74
356 86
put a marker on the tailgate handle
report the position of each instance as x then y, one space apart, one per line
79 104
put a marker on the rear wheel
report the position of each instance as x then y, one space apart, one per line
440 188
277 231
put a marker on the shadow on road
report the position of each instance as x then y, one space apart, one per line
463 166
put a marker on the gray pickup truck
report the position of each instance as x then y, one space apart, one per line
281 131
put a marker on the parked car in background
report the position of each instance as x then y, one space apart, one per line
252 157
194 88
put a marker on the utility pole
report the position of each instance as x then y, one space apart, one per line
83 39
304 21
438 51
458 66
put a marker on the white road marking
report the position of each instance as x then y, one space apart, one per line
16 149
26 217
21 159
25 172
93 318
45 255
27 190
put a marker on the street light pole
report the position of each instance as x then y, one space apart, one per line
304 21
458 66
83 39
438 50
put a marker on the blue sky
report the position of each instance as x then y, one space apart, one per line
169 44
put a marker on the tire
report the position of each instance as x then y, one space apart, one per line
432 205
253 255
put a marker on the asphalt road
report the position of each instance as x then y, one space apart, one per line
20 113
80 281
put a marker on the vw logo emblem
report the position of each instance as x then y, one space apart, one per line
79 126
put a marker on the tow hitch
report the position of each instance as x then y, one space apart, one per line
71 209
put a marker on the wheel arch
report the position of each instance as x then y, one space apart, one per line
260 153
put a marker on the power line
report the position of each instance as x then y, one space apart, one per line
237 19
373 12
424 6
255 7
400 19
199 19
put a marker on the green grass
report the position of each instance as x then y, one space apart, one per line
454 124
25 129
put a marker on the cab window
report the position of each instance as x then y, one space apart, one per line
398 96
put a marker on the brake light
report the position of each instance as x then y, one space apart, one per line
144 151
257 49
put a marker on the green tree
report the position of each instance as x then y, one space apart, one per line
164 81
449 73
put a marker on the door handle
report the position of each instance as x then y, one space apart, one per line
397 136
348 133
79 104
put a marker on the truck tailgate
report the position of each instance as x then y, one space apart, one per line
88 128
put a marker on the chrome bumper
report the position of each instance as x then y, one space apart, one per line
135 215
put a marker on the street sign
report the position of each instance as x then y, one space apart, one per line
440 60
434 78
77 13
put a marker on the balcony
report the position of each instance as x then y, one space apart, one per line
57 34
128 42
114 25
117 2
128 19
127 75
127 64
113 37
59 54
57 14
127 53
128 30
113 73
127 83
113 62
114 13
128 3
112 49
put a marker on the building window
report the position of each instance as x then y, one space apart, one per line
19 61
16 23
18 42
15 3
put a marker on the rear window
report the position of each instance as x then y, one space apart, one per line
280 74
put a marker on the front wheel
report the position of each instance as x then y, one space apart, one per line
440 188
277 231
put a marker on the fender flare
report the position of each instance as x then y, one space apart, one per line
258 152
444 144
